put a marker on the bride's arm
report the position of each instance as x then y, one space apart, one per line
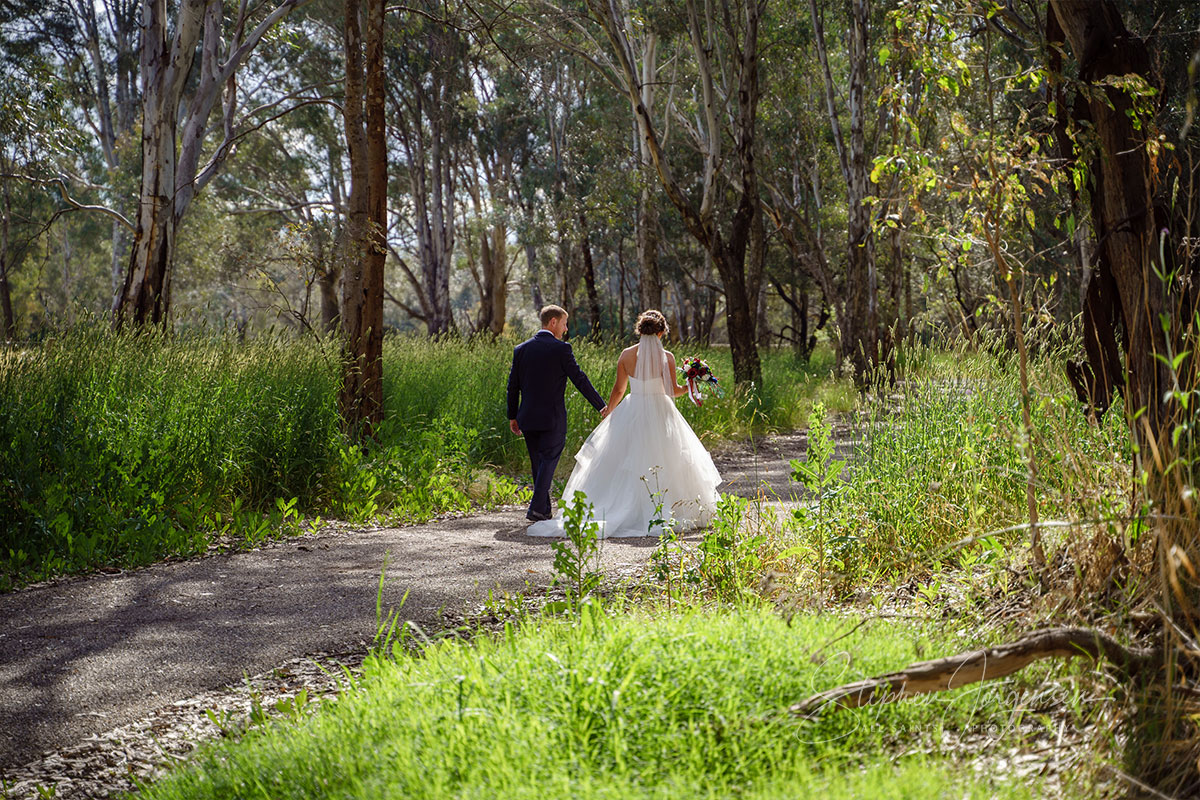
679 390
618 390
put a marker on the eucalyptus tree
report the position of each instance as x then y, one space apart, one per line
724 55
428 88
99 55
860 320
365 241
191 57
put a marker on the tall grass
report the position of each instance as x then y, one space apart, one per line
122 449
119 449
939 459
622 706
465 381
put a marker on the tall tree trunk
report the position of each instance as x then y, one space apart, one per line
492 275
327 283
165 64
495 274
757 258
860 323
6 260
10 321
1122 205
650 295
173 133
362 299
896 285
621 284
646 221
535 277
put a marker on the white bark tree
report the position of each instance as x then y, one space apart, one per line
176 111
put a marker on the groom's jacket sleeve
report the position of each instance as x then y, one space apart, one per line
514 385
571 368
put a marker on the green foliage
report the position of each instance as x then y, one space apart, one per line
620 706
577 560
730 564
940 459
121 449
820 474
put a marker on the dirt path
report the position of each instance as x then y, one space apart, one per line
84 656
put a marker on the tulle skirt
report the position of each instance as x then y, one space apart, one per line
642 463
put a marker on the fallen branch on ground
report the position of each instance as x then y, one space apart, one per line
952 672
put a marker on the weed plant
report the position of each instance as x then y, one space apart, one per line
577 560
614 707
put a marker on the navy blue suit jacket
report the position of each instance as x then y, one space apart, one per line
537 381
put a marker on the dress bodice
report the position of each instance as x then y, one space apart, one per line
638 386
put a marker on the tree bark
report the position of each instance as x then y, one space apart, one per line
646 221
647 245
173 134
589 275
362 299
9 320
860 323
1122 205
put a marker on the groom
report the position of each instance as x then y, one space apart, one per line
536 382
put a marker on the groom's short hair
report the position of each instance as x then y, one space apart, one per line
551 312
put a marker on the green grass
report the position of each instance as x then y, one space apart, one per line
122 449
465 381
942 459
622 706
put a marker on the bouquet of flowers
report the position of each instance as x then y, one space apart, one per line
699 374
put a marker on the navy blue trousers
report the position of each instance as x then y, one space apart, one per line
545 448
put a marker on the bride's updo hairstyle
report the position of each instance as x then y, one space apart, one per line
650 323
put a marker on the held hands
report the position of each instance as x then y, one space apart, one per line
514 427
604 412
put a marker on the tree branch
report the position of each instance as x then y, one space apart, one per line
974 666
72 202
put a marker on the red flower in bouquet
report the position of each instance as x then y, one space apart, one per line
699 375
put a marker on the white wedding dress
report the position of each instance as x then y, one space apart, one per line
643 454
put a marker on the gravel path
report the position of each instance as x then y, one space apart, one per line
83 657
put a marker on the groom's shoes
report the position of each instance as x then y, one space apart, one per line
535 517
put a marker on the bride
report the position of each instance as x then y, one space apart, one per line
644 453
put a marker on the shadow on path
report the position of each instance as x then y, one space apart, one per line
84 656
